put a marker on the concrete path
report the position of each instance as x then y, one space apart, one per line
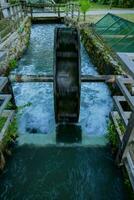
113 11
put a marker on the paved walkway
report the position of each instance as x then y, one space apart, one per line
114 11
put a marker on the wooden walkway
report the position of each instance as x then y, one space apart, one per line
124 113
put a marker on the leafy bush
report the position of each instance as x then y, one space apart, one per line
12 64
11 134
84 6
13 1
112 135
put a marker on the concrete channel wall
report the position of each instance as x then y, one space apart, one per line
13 47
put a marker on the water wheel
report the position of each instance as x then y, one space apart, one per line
67 79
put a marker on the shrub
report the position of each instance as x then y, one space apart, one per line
12 64
112 136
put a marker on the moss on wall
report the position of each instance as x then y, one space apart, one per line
14 46
103 57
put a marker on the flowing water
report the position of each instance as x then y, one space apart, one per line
64 162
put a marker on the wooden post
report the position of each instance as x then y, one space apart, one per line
21 11
78 19
72 10
58 11
7 89
31 11
66 9
10 90
125 141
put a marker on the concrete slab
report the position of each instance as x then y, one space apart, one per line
128 59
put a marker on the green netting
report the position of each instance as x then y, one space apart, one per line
117 32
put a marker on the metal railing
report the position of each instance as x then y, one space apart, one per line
73 10
59 10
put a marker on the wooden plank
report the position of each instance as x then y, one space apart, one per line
130 168
98 78
127 137
49 78
30 78
5 98
3 82
114 115
117 100
10 115
121 84
127 59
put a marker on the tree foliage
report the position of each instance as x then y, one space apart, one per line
84 6
119 3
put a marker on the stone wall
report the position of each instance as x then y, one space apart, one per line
14 46
103 57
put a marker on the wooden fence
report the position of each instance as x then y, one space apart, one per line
6 96
123 119
11 16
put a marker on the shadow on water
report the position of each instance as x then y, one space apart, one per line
61 173
68 133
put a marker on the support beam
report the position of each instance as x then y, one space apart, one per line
121 84
49 78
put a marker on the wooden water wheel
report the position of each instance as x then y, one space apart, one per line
67 79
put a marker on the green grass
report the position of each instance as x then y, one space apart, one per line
129 17
2 122
6 26
11 134
4 23
112 135
99 6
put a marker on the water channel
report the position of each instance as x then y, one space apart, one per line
59 163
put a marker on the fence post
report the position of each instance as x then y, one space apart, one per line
125 141
78 19
58 11
8 90
31 11
66 9
72 10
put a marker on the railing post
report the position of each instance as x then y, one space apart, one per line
31 11
8 90
125 141
72 10
58 11
66 9
78 19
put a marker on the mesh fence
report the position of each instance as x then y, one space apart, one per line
117 32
